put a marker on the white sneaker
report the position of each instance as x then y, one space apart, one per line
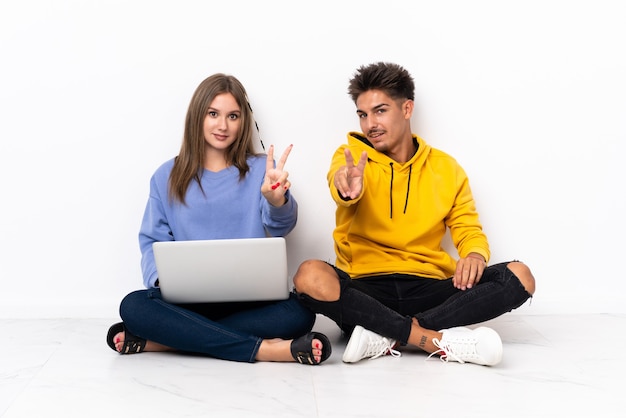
481 346
364 344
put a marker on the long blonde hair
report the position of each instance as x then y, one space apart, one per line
189 163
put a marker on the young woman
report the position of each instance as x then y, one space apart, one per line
217 188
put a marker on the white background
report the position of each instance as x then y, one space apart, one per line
529 96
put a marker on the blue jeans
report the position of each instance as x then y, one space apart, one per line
386 304
230 331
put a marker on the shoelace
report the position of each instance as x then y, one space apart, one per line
465 349
379 348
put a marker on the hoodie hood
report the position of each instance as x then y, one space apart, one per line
391 168
357 139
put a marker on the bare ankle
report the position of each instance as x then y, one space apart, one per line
422 337
274 349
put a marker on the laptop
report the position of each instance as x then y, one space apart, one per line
224 270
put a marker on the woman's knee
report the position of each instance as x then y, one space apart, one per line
130 302
523 273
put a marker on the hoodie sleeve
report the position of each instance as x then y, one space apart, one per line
463 220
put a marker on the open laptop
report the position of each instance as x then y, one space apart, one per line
225 270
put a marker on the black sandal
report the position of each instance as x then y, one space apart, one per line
302 351
132 343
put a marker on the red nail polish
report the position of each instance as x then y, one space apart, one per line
275 186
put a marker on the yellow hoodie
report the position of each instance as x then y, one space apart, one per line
398 222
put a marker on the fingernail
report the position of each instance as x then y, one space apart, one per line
275 186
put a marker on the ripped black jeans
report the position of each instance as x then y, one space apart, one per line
386 304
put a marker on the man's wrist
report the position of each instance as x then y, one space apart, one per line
476 256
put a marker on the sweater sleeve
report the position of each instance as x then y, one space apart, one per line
280 221
154 227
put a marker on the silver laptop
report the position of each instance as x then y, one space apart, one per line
225 270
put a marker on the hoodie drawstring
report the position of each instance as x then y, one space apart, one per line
408 188
391 193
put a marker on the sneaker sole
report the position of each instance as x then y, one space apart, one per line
497 341
352 348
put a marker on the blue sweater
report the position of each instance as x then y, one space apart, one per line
229 208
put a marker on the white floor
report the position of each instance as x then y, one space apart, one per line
553 366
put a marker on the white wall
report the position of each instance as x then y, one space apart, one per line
529 96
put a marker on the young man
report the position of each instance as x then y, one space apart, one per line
392 282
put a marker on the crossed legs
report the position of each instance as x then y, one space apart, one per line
319 287
263 331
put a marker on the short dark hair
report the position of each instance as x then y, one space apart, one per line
391 78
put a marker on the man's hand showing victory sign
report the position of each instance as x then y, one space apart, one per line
349 178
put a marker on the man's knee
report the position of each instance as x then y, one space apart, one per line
523 273
318 280
305 274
